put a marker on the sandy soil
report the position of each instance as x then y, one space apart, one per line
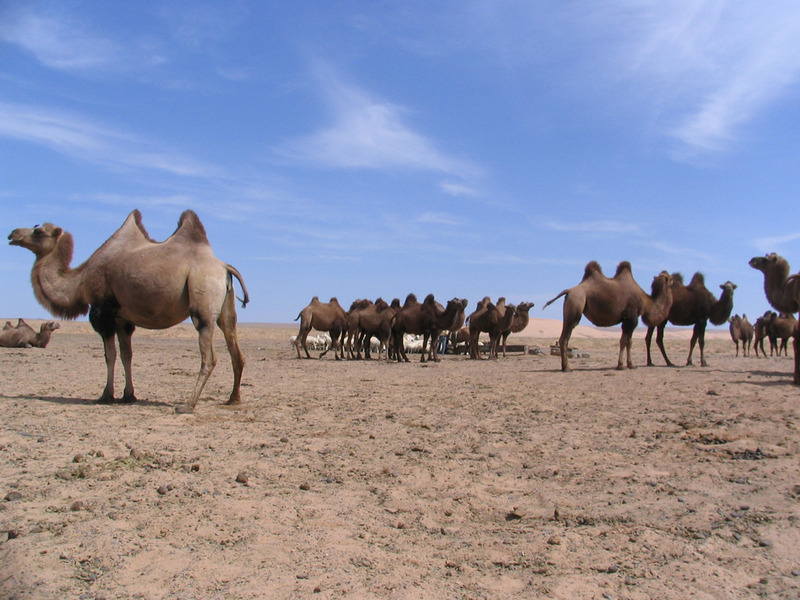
462 479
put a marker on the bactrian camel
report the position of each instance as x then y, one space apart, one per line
695 305
492 319
783 293
25 336
426 319
611 301
133 281
322 316
778 327
741 330
518 323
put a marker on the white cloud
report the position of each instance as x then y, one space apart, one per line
770 244
369 133
595 227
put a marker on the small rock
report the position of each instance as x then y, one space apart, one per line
305 487
712 393
554 541
162 490
242 478
12 534
765 543
13 496
77 506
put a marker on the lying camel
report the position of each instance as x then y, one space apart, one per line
783 293
132 280
741 331
25 336
609 301
322 316
695 305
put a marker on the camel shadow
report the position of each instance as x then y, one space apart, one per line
82 401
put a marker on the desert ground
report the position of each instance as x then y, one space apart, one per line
354 479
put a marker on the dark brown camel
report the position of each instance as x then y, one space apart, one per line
352 333
606 302
693 305
741 331
783 293
518 323
322 316
376 320
426 319
779 327
492 319
759 333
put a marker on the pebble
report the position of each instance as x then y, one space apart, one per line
305 487
77 505
242 478
13 496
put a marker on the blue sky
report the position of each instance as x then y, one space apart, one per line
356 149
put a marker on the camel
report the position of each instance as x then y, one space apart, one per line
376 320
494 319
695 305
741 331
518 323
322 316
426 319
133 281
779 326
783 293
609 301
759 333
25 336
352 332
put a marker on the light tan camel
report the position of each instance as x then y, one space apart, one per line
783 293
741 330
426 319
132 280
695 305
606 302
25 336
518 323
779 327
322 316
493 319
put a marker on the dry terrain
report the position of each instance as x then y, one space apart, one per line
461 479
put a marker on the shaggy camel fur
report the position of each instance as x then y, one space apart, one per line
695 305
132 280
25 336
518 323
322 316
783 293
493 319
607 302
426 319
741 331
779 327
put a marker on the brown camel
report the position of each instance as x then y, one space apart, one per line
741 331
695 305
426 319
352 332
132 280
493 319
779 327
606 302
376 320
322 316
783 293
759 333
518 323
25 336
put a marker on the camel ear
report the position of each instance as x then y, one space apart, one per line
57 231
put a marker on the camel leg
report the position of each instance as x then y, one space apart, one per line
647 339
110 352
563 344
625 342
660 343
208 361
701 343
692 342
227 323
425 337
124 334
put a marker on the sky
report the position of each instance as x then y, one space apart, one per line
361 149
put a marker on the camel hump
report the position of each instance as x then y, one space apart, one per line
622 267
190 228
698 280
429 299
677 277
592 267
410 299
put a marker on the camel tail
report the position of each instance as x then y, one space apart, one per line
564 293
235 272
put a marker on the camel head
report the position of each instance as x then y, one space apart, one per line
524 307
660 282
771 264
41 240
728 287
50 326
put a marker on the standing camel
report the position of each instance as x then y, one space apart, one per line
494 319
759 333
779 327
783 293
132 280
606 302
322 316
741 331
426 319
518 323
695 305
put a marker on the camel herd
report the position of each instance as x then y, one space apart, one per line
133 280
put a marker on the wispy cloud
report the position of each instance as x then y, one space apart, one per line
81 138
369 133
595 227
772 243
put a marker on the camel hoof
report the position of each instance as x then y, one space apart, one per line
128 399
106 400
184 409
233 402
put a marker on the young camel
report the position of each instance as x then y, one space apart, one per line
132 280
322 316
783 293
610 301
695 305
741 331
